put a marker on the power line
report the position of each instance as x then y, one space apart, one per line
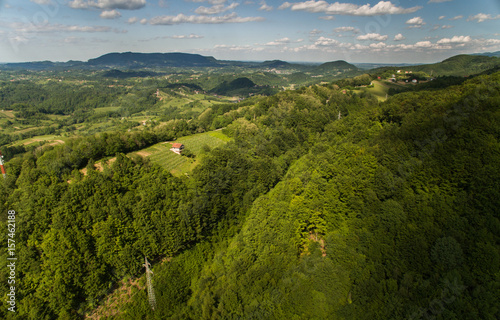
151 293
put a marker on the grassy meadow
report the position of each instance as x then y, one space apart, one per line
176 164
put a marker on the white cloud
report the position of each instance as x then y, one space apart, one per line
455 39
304 48
447 27
423 44
176 37
108 4
224 47
456 18
442 17
481 17
416 22
132 20
278 42
346 29
315 32
399 37
449 46
378 46
438 1
491 42
283 41
285 5
190 36
265 7
327 45
372 37
323 41
110 14
215 9
327 18
381 8
181 18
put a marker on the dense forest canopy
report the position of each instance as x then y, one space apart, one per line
325 204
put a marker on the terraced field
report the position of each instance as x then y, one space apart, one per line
178 165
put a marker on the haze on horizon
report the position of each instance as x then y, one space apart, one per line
405 31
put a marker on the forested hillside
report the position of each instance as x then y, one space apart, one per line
325 205
460 65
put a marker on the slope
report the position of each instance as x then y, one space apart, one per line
335 66
394 210
383 214
378 221
460 65
179 165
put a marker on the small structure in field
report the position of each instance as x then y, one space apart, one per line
177 147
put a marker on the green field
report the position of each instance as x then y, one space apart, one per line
178 165
51 138
379 90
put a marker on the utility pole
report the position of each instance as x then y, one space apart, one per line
151 293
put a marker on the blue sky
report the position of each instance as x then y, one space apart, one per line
313 30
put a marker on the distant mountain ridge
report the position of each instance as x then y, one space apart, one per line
339 65
488 54
459 65
131 62
137 60
141 60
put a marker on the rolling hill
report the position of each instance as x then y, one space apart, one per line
460 65
141 60
242 86
335 66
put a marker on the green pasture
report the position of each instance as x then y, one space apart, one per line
379 90
176 164
46 138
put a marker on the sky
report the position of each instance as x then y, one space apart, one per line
395 31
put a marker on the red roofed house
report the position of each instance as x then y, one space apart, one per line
177 147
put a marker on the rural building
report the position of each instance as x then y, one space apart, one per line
177 147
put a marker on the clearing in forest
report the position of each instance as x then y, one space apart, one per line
176 164
379 90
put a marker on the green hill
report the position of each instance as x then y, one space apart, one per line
460 65
276 64
142 60
241 87
390 211
335 66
